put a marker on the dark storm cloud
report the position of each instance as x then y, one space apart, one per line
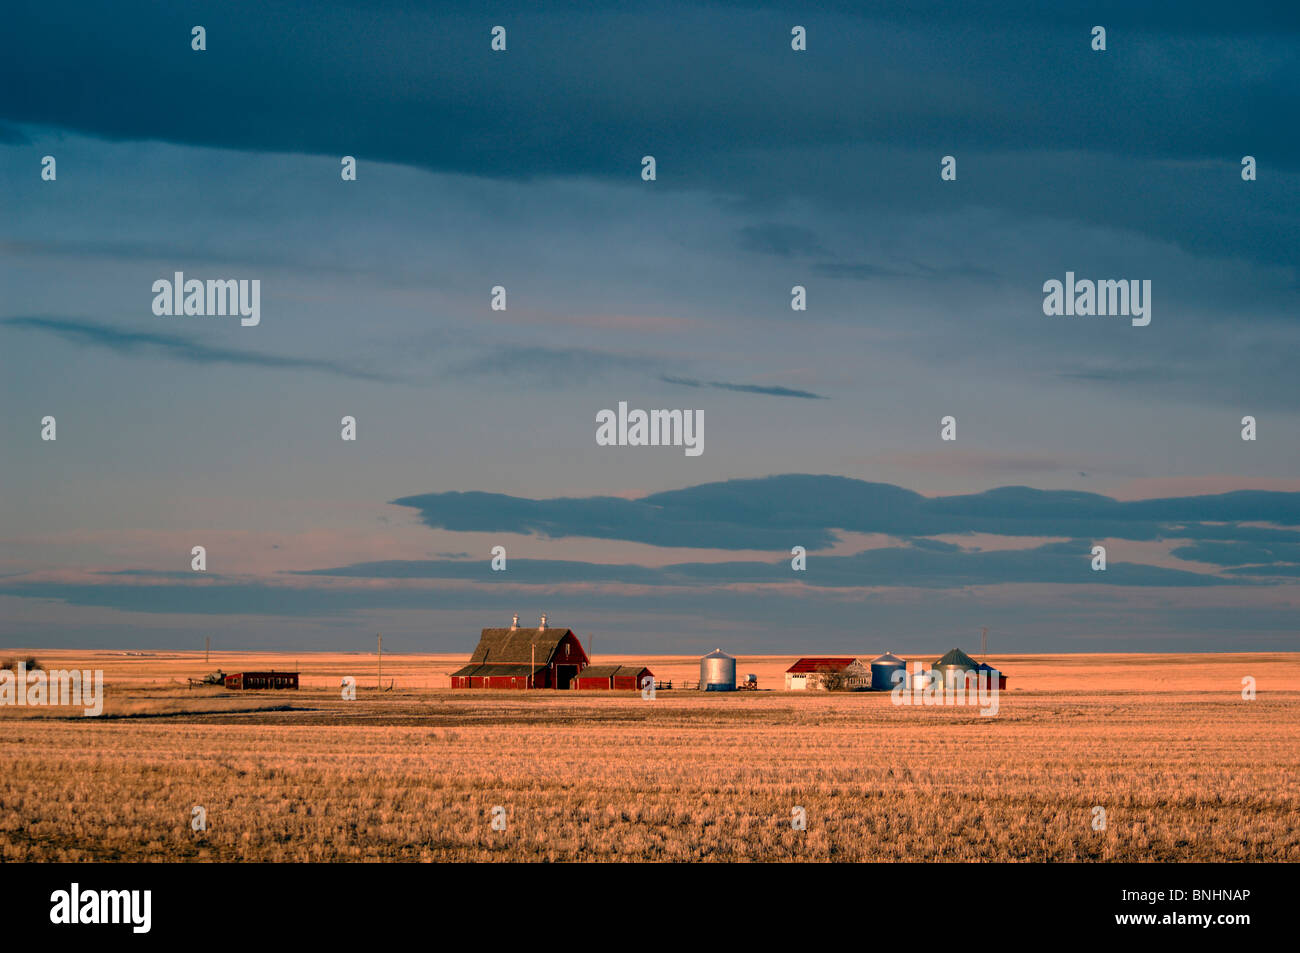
177 347
335 67
716 94
780 511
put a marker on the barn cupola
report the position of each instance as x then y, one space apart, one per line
542 627
515 623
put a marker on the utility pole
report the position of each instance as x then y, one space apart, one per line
984 644
207 645
381 662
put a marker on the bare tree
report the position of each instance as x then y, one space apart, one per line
831 679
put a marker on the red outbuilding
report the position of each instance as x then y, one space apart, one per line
523 658
994 676
821 671
249 681
614 677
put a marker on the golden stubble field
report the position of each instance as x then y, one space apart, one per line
1185 768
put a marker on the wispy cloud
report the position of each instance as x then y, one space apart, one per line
1239 554
765 389
428 584
540 365
925 566
178 347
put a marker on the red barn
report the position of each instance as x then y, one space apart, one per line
614 677
523 658
242 681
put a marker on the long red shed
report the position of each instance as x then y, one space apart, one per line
614 677
248 681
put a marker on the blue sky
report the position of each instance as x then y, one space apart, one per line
775 168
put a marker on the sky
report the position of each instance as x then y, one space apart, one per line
476 427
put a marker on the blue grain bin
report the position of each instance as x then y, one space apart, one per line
882 672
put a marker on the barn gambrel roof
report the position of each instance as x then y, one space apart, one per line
516 646
821 663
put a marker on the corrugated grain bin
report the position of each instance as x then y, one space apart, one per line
717 672
883 669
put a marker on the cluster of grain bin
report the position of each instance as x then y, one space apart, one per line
958 667
718 672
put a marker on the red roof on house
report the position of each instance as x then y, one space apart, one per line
820 664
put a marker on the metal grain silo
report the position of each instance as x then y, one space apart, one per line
717 672
883 669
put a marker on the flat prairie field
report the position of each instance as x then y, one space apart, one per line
1183 766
